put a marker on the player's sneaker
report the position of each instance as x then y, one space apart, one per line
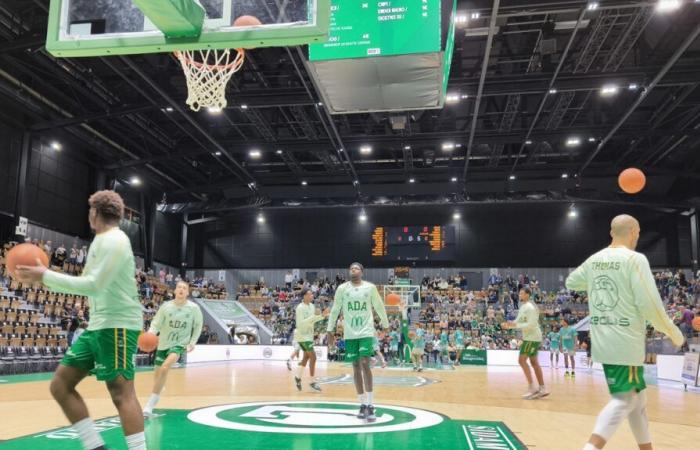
415 368
370 414
420 369
384 364
363 412
289 365
541 393
147 414
315 386
566 375
573 374
529 395
297 380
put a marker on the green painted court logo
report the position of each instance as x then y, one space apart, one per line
312 418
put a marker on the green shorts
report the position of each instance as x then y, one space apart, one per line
106 353
358 348
624 378
161 355
306 346
530 348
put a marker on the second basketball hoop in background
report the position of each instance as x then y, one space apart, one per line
209 71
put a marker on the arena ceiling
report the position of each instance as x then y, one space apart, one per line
532 124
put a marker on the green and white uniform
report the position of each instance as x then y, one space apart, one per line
459 340
553 337
306 317
419 343
528 320
179 326
356 304
622 297
108 347
394 344
568 336
443 342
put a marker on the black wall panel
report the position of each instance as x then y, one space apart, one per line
496 235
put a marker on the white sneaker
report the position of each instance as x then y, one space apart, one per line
540 393
147 414
529 395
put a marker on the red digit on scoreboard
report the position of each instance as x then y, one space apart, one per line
405 229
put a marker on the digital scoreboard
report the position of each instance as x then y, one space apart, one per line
413 243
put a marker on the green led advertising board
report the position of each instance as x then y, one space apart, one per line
370 28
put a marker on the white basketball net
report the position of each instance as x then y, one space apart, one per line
207 73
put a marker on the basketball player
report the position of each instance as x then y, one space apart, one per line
418 344
528 320
306 317
179 324
553 337
459 344
394 345
108 346
622 297
568 347
378 352
356 299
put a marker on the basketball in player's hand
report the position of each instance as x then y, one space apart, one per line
148 342
24 255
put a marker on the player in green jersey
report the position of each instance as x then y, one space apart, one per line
459 344
179 324
554 348
622 298
107 348
356 299
528 320
569 336
306 317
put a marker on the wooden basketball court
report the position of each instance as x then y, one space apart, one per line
563 421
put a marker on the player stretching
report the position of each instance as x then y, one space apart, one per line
179 323
356 299
108 346
306 317
622 297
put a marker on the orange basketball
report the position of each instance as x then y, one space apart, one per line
246 21
631 180
393 299
148 342
696 323
25 255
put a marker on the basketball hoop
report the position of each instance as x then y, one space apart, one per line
207 73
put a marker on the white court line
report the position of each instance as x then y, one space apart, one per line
466 434
506 438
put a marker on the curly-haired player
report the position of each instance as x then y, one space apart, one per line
108 346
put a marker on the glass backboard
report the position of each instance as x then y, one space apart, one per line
119 27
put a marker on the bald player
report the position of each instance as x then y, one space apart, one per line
622 297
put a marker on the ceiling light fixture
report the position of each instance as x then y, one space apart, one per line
365 149
609 90
668 5
573 142
254 153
